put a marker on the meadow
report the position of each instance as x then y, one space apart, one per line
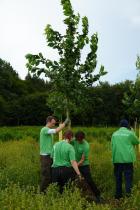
20 174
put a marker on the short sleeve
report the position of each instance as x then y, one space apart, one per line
72 154
86 150
51 131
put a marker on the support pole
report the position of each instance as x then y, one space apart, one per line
60 134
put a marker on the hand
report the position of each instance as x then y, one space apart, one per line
67 121
79 176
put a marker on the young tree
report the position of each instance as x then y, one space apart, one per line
138 63
69 76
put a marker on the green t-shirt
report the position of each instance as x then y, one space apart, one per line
63 153
80 149
122 142
46 141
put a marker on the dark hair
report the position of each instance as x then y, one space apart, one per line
68 134
80 134
124 123
49 119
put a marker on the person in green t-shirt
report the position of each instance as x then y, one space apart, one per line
64 167
81 147
46 145
123 156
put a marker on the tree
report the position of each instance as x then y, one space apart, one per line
3 110
35 84
69 76
132 100
138 62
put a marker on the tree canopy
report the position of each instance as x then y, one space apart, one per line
70 76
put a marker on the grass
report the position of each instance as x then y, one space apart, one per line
20 175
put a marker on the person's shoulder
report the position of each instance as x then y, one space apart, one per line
116 132
45 128
129 132
85 142
132 133
69 146
57 144
72 142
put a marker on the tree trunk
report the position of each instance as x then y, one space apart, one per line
68 116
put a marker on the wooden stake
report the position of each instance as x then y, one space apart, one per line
60 134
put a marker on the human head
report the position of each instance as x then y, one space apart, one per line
51 121
124 123
79 136
68 135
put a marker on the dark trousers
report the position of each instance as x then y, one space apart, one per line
46 162
62 175
85 171
121 169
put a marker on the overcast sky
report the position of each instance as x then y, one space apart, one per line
117 23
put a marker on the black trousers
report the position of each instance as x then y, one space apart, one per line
46 162
121 169
85 171
62 175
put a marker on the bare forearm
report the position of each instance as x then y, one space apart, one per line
61 126
81 161
75 166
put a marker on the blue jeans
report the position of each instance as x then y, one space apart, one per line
121 169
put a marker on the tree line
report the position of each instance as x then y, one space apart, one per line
24 102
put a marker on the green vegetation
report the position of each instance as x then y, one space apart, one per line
20 174
25 102
70 76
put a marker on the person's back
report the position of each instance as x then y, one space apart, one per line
123 156
62 153
64 167
123 141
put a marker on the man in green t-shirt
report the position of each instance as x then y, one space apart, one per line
64 167
123 156
81 147
46 145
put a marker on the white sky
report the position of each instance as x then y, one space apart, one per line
117 22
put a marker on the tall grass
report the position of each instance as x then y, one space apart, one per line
20 175
23 132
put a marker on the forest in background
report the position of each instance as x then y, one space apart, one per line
24 102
